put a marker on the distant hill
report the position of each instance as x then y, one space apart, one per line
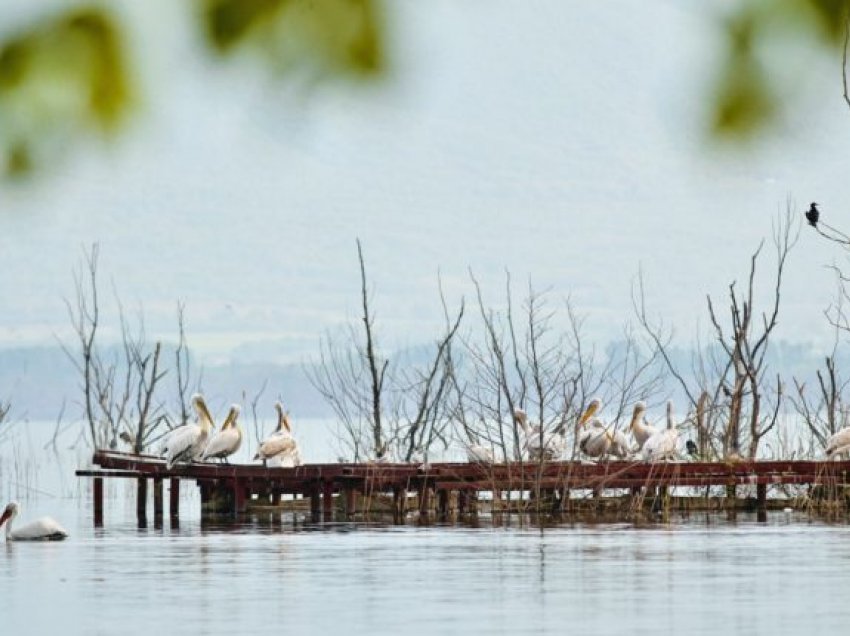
38 380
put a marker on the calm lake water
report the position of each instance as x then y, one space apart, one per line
281 574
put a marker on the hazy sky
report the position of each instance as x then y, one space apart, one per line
561 140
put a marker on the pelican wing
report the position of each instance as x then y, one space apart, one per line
476 453
662 445
619 445
183 443
642 432
276 444
838 443
224 443
43 529
595 440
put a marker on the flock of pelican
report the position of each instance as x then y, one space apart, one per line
596 439
195 441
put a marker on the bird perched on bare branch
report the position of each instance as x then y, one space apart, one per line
813 215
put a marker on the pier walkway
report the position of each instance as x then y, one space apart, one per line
440 487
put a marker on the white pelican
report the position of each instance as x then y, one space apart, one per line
640 429
478 454
593 440
280 448
596 439
228 440
537 443
186 443
43 529
839 444
662 445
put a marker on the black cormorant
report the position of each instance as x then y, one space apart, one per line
692 448
812 215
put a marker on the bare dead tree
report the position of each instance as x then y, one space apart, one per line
822 409
255 401
84 315
5 407
351 377
182 366
381 406
731 378
492 394
746 345
523 361
421 415
377 366
119 384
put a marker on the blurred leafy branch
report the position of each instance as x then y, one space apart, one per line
70 74
748 95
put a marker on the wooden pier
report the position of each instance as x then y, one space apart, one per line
444 488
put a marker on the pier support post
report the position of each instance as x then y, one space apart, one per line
462 497
141 500
663 497
424 498
97 495
174 498
761 502
472 500
399 503
240 501
157 501
731 496
350 494
328 501
315 502
443 503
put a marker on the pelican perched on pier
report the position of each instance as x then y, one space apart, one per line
187 443
638 426
280 448
228 440
478 454
839 444
663 444
538 444
43 529
596 439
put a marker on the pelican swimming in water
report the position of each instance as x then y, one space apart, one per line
638 426
596 439
839 444
537 443
663 445
43 529
280 448
187 443
228 440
